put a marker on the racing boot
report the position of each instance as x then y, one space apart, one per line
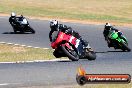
109 43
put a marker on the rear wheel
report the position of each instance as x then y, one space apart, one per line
71 53
15 31
22 31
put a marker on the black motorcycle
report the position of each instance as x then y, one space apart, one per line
22 26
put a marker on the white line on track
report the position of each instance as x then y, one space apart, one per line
34 61
21 45
4 84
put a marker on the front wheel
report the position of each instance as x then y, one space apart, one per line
70 53
31 30
125 47
90 54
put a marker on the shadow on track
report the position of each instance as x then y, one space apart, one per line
109 51
64 61
116 51
15 33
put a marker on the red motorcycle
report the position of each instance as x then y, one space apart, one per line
66 45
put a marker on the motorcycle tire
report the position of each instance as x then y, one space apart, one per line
56 55
69 55
125 47
91 55
15 31
22 32
31 30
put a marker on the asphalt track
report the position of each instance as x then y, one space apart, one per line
58 73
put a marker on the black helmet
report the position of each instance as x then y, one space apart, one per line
108 26
62 26
53 24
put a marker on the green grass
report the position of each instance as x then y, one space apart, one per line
19 53
95 10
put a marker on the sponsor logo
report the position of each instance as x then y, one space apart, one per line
83 78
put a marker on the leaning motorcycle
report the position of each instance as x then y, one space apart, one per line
117 42
22 26
66 45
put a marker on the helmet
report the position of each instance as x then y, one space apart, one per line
13 14
108 26
62 26
54 24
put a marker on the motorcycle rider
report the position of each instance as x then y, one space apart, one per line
12 19
55 27
106 31
21 18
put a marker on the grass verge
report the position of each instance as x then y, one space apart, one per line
92 10
19 53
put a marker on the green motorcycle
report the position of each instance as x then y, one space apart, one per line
117 42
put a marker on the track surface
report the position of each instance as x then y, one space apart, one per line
61 72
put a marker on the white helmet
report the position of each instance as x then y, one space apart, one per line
13 14
108 26
54 23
